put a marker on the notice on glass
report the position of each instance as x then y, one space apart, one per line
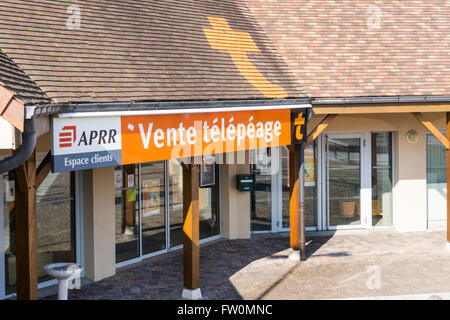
207 172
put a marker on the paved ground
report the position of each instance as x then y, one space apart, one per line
378 263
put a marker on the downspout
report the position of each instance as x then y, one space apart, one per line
25 150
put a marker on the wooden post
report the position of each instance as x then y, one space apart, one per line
301 179
297 198
448 179
26 231
294 193
191 233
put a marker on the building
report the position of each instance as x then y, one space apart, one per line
97 76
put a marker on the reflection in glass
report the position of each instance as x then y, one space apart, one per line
127 212
153 213
261 197
310 186
436 181
175 202
209 213
55 207
344 181
382 179
208 205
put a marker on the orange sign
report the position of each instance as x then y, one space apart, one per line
162 137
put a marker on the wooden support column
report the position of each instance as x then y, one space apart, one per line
296 205
26 231
448 179
191 233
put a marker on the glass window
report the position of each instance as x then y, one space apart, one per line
310 186
208 205
175 202
153 207
55 206
261 197
209 213
143 210
382 179
436 181
127 212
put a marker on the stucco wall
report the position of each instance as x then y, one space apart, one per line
99 223
235 205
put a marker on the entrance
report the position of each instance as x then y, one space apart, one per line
348 183
345 171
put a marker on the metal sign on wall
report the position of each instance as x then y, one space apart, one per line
92 142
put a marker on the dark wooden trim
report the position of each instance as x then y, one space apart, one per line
26 231
191 232
44 169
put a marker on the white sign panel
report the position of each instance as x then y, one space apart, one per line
86 143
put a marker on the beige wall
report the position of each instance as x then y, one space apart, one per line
409 190
235 205
99 223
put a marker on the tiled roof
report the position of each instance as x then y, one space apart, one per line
350 48
148 50
18 82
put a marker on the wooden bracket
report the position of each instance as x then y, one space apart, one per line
44 169
434 131
315 133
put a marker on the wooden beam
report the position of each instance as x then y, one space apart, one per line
433 130
26 231
380 108
5 98
14 113
296 201
315 133
448 178
44 169
191 233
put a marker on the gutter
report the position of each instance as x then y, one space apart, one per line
25 150
375 100
152 108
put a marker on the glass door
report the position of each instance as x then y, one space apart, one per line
263 203
153 221
347 189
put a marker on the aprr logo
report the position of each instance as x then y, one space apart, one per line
67 136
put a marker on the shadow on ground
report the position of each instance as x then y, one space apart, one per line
163 278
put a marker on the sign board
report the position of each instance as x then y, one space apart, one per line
89 142
299 132
245 182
